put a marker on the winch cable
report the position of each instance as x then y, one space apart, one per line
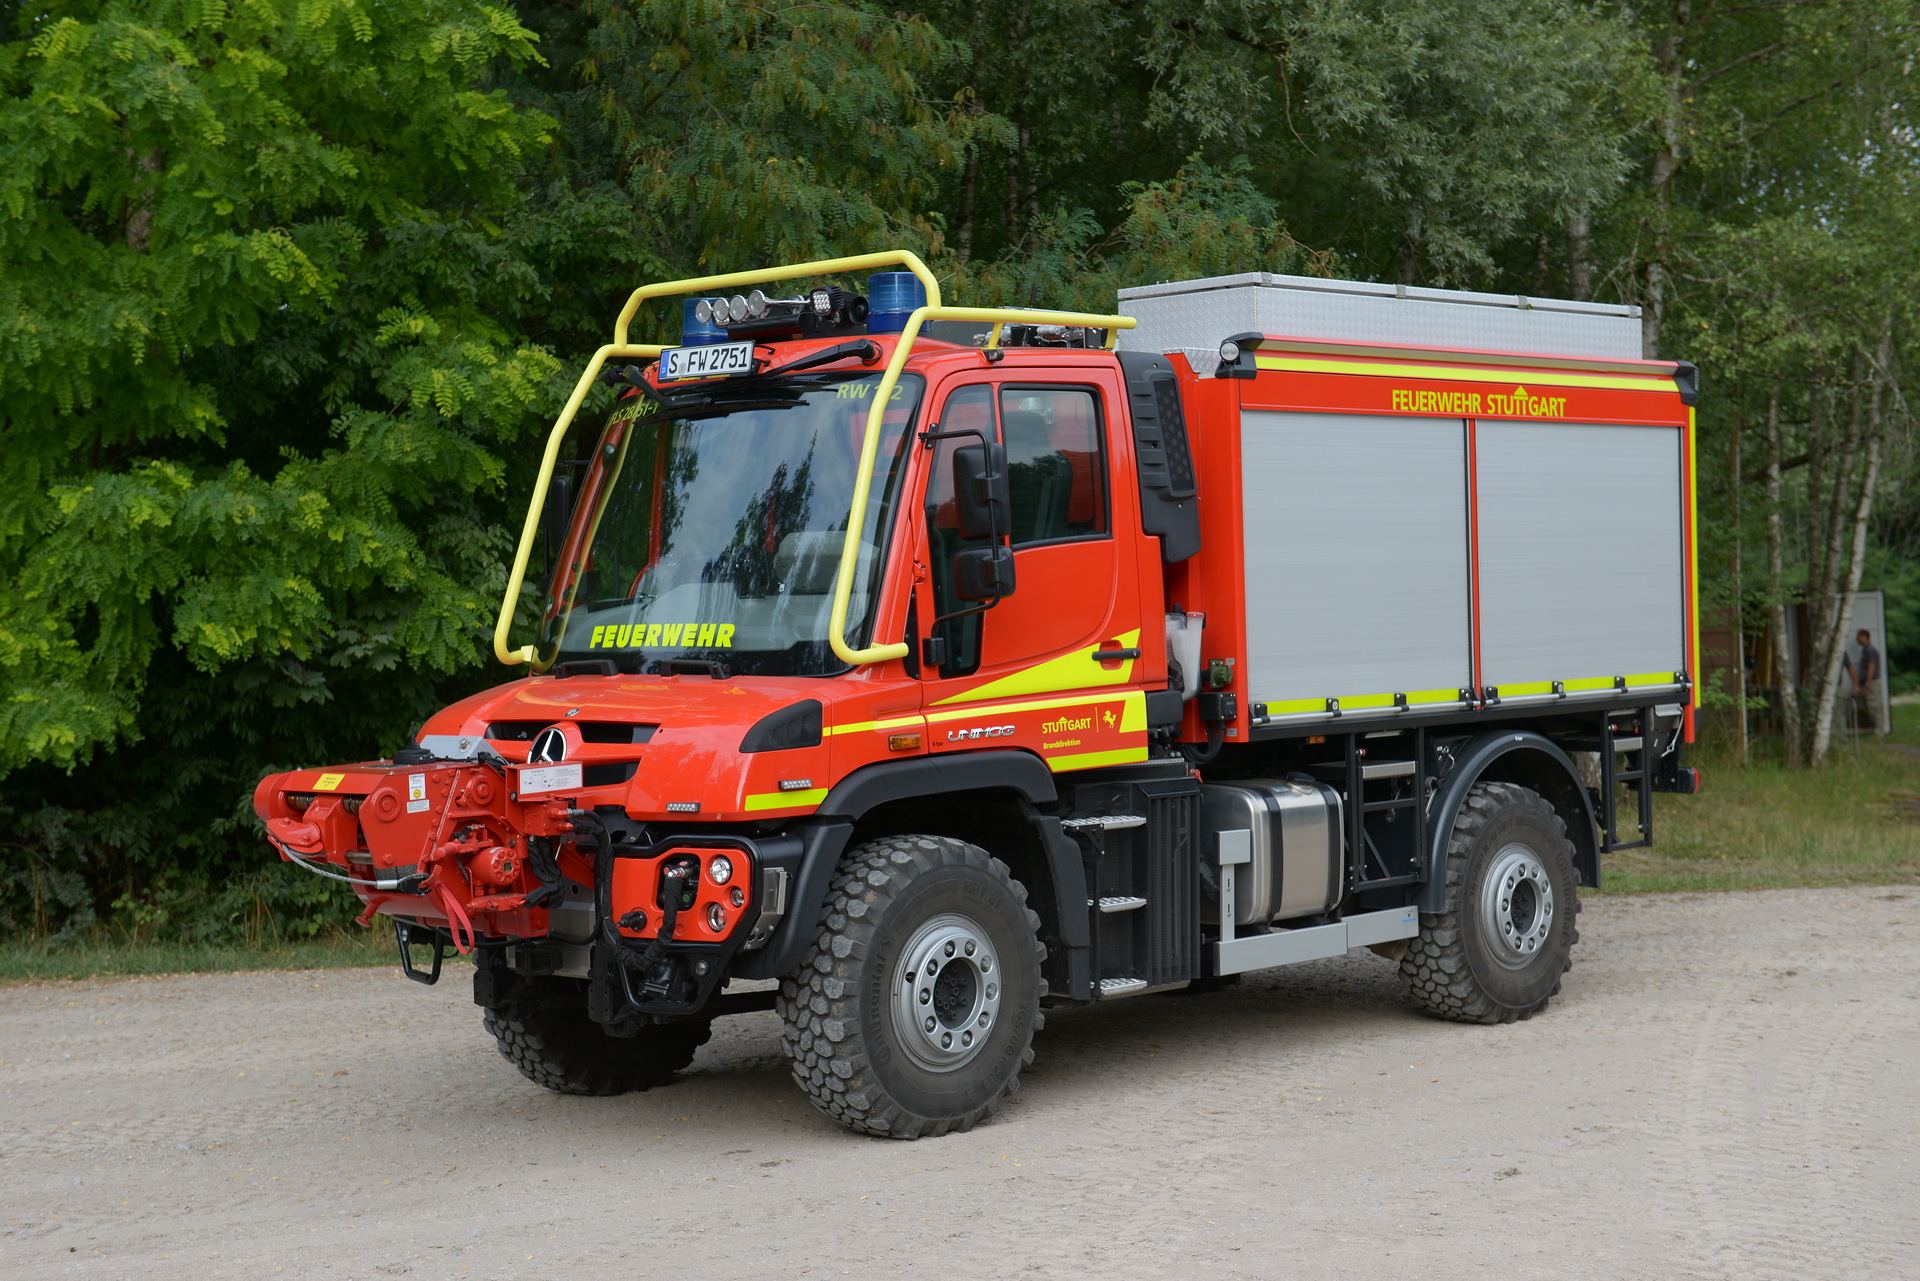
621 950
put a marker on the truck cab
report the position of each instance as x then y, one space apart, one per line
870 671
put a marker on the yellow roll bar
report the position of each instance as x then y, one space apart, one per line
869 448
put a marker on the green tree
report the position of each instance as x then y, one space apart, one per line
259 369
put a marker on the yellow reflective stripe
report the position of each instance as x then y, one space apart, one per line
1057 675
1093 760
786 800
1693 556
1134 719
1363 702
1037 705
855 727
1296 706
1587 685
1519 377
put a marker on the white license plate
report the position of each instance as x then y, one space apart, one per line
549 778
715 360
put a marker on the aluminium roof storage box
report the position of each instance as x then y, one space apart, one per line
1425 499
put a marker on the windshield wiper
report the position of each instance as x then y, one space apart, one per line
867 351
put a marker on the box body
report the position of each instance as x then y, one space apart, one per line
1419 501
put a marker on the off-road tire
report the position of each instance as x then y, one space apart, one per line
1451 968
561 1049
837 1008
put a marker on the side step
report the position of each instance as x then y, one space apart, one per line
1290 947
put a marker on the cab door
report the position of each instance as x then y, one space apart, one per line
1053 668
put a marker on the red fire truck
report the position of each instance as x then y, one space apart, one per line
941 665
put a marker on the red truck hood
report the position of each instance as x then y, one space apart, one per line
690 756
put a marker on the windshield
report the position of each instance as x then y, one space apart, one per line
713 527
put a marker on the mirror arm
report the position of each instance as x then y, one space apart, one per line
981 608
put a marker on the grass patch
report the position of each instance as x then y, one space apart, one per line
106 956
1853 822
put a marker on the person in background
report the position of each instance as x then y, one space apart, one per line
1865 670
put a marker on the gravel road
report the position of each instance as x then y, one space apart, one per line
1726 1088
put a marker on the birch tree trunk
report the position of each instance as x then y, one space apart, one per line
1739 622
1777 587
1842 609
1825 620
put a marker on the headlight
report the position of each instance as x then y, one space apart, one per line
716 919
720 870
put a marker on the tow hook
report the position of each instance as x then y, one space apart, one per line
408 933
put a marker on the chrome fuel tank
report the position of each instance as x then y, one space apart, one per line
1293 839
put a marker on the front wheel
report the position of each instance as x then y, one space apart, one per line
915 1010
544 1031
1497 952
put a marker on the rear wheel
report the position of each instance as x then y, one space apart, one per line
915 1011
555 1045
1497 952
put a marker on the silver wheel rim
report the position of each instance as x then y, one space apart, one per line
1516 906
946 992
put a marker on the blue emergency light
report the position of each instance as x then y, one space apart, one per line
893 296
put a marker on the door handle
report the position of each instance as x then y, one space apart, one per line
1114 655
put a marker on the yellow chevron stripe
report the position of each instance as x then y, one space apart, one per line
1511 377
1057 675
808 799
1093 760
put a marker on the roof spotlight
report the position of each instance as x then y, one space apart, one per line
822 301
737 309
703 311
756 304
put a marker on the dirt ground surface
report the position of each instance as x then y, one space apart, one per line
1726 1088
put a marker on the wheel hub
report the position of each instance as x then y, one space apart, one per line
946 992
1516 905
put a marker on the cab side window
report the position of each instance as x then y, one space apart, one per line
1055 467
968 409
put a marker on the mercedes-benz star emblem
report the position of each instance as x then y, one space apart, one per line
550 748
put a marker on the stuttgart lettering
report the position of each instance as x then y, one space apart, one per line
1518 403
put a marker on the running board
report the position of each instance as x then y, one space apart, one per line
1290 947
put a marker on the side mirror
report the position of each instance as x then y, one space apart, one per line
983 573
982 502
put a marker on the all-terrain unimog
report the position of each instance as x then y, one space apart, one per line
949 664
